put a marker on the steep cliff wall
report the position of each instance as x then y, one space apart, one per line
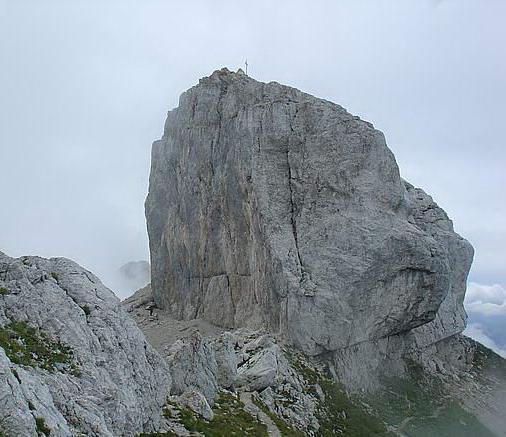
270 207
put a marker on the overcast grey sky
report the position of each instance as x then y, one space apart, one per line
85 85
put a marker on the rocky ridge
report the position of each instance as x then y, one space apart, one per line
72 362
301 395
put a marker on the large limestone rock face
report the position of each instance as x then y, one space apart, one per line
268 207
71 360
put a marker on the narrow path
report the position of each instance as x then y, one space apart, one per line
251 408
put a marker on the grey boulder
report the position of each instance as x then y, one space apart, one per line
197 402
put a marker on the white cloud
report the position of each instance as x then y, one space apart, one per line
486 306
487 300
477 332
85 91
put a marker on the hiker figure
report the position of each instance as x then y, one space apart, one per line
151 307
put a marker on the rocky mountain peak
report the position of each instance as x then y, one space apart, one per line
271 208
299 287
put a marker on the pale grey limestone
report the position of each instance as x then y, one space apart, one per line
226 359
196 402
269 208
260 367
252 362
192 365
122 383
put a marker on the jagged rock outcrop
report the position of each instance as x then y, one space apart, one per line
270 208
72 362
192 364
452 387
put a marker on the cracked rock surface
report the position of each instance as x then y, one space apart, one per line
270 208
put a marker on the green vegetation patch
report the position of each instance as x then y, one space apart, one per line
486 363
418 406
86 309
342 413
339 414
285 429
4 291
42 428
230 419
26 346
